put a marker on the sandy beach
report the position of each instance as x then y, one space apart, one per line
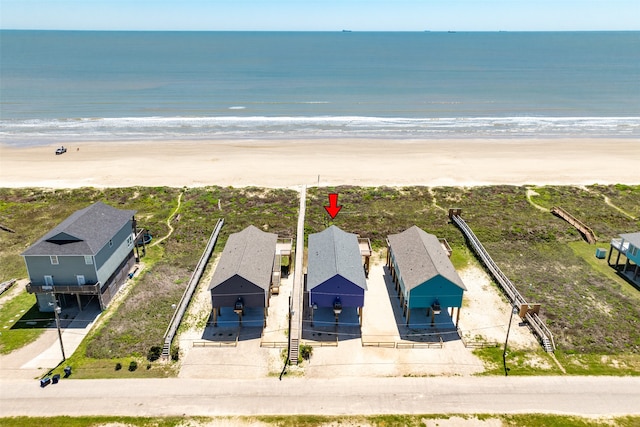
288 163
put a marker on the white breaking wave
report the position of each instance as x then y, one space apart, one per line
38 131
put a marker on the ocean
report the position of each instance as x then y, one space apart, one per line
58 86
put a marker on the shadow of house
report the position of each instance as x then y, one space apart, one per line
87 255
423 275
242 280
627 246
335 279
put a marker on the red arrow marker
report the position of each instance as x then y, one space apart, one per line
333 207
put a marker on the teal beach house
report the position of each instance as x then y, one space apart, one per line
422 273
86 257
627 246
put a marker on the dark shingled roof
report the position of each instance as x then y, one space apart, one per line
333 252
633 238
420 257
84 232
248 254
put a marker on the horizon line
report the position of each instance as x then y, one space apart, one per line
323 31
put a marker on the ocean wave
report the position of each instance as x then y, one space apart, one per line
37 131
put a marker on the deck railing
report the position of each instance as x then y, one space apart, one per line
178 314
90 289
517 300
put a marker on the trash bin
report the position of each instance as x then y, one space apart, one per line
67 371
45 381
55 379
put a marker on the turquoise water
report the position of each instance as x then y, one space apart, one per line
59 85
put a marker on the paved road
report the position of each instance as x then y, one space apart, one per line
586 396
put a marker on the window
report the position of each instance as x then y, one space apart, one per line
54 260
110 243
130 240
634 251
88 259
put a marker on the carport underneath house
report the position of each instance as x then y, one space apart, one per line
244 275
335 272
423 274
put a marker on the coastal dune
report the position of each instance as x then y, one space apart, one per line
288 163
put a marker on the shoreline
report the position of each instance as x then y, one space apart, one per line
285 163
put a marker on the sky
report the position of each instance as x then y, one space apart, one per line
322 15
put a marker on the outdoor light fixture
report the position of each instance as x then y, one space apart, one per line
337 306
238 307
436 307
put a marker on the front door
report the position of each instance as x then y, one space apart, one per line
48 280
81 281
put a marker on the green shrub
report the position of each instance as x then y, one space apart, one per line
154 353
118 366
133 365
306 351
175 353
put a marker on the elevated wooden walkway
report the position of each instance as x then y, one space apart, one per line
528 312
586 232
297 294
181 309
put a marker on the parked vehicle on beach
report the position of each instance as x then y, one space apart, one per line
61 150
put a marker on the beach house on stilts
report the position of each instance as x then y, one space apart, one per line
627 247
86 256
335 272
422 273
244 275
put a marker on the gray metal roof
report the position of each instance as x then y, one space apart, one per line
248 254
84 232
633 238
333 252
420 257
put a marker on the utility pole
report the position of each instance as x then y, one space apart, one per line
512 313
56 313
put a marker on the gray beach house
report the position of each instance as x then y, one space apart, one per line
245 272
88 256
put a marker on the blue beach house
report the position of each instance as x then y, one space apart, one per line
87 255
422 273
335 272
628 245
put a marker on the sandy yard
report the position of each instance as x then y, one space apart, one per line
236 352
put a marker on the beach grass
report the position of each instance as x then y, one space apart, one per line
590 309
519 420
